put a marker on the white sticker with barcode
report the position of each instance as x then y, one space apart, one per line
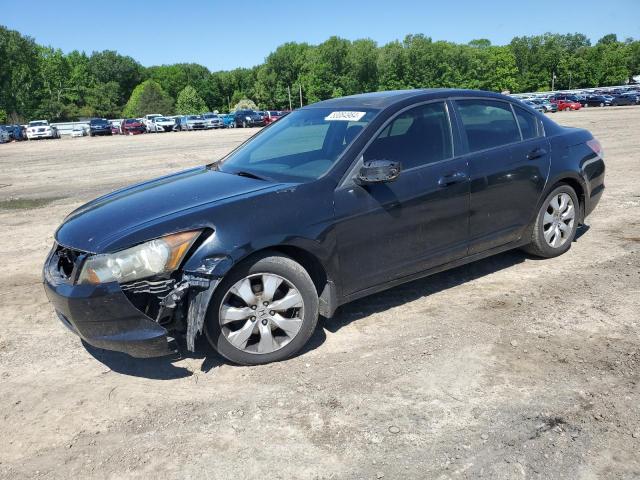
345 116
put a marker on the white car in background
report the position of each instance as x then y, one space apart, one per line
41 129
212 120
148 119
161 124
78 131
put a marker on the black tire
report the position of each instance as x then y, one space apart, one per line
538 245
274 263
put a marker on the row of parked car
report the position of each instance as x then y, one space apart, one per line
550 103
151 123
34 129
157 123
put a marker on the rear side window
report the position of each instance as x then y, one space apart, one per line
529 124
488 123
417 137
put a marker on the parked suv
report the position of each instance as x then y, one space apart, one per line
248 118
41 129
99 126
336 201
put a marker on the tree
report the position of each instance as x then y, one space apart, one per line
20 80
148 97
189 102
282 69
245 104
102 100
54 71
109 66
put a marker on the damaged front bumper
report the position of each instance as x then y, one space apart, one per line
105 317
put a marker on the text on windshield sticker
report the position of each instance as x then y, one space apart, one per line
345 116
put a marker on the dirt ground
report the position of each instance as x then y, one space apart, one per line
507 368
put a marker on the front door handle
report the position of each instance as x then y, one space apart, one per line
536 153
450 179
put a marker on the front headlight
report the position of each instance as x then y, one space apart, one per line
157 256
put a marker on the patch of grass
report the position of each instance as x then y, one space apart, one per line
26 203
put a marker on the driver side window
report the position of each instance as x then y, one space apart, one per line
420 136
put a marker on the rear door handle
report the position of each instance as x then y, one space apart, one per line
536 153
450 179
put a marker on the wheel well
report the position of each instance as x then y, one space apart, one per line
577 187
309 262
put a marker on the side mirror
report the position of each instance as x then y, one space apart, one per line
378 171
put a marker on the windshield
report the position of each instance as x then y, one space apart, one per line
195 117
99 121
301 146
37 124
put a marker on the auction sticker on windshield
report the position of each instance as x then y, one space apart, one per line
345 116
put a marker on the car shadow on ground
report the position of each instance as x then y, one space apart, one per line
165 368
159 368
421 288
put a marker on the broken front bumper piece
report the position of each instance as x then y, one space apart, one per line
104 317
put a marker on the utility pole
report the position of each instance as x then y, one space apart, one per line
553 82
570 80
300 95
289 92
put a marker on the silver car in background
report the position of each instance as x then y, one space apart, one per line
212 120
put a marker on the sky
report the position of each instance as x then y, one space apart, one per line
223 35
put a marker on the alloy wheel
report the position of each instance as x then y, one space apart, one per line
557 223
261 313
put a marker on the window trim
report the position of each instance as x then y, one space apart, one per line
463 134
539 124
347 178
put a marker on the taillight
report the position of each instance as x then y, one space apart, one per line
595 146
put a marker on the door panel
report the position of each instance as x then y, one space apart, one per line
390 230
508 166
505 188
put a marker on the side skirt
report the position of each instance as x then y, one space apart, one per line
440 268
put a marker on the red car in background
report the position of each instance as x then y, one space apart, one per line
271 116
566 105
132 126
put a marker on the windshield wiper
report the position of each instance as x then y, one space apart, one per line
250 175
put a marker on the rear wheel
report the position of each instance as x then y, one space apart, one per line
264 311
555 225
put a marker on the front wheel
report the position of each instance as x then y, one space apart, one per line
555 225
264 311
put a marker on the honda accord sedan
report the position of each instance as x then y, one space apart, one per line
336 201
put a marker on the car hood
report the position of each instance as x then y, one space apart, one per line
100 225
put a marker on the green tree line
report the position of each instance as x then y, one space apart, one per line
41 81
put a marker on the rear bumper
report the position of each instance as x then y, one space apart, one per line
103 316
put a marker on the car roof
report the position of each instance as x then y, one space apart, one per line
382 100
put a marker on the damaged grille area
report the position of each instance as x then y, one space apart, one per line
146 295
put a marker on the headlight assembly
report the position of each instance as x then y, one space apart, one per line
157 256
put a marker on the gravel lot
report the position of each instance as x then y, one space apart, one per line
507 368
